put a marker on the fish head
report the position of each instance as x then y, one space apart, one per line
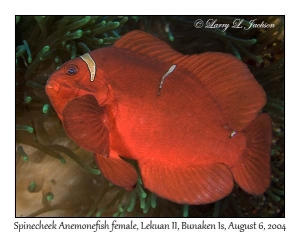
76 78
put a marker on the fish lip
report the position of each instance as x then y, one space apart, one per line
52 85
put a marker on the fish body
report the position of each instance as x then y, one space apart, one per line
191 122
152 124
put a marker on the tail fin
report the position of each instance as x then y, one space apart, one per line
252 172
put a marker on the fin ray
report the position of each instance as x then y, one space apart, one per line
84 122
228 79
252 172
117 171
187 183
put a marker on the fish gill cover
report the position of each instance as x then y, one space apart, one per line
55 177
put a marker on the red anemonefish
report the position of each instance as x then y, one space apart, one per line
192 122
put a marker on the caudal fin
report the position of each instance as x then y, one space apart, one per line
252 172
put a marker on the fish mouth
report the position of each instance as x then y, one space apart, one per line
52 86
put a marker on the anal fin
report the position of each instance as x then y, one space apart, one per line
187 184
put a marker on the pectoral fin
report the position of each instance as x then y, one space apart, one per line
86 123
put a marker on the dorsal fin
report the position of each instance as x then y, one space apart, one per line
231 84
228 79
146 44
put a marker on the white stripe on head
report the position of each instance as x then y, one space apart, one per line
90 63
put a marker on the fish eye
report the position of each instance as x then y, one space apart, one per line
71 70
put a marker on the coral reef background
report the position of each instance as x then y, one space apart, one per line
54 177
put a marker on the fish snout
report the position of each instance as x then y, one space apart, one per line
51 85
